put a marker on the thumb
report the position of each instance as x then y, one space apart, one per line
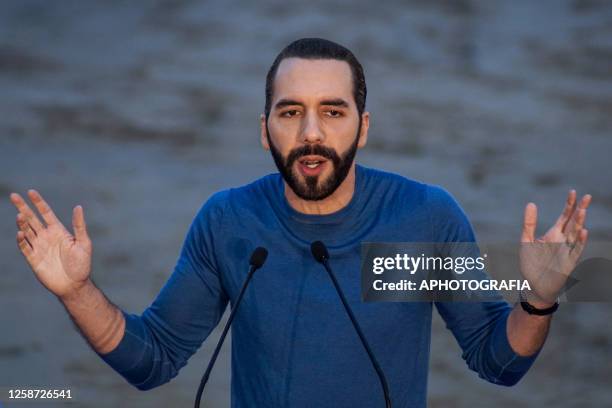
530 221
78 223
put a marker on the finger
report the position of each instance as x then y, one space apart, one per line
32 229
22 224
567 211
585 201
580 244
572 226
24 245
29 233
78 223
583 236
575 225
577 222
25 209
25 227
581 215
530 220
43 208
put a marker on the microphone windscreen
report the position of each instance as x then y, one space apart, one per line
258 257
319 251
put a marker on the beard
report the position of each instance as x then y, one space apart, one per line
312 188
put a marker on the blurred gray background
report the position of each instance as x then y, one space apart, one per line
140 110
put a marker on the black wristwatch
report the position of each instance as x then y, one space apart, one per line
532 310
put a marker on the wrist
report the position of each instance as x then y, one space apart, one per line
77 292
540 304
537 307
536 300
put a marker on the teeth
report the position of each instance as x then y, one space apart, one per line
311 164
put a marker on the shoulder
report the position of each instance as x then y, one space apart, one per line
386 179
393 188
378 175
261 186
439 198
238 198
211 211
449 219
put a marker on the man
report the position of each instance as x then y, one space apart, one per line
292 344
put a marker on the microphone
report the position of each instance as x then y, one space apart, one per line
258 258
320 254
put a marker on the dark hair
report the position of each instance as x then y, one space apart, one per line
319 48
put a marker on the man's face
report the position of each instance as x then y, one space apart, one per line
314 129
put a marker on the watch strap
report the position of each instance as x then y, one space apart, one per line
532 310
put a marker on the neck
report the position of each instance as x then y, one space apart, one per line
335 202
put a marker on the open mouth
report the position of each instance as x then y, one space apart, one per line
311 165
312 162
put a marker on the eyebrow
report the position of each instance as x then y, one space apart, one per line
326 102
335 102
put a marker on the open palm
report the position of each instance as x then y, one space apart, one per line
548 261
60 260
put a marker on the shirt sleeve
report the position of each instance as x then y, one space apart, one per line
158 343
478 327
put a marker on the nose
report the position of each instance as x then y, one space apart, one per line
311 130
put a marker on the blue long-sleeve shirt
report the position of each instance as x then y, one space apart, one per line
292 342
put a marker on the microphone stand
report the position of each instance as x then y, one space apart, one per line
321 255
257 260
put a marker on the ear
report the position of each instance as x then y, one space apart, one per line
365 125
263 136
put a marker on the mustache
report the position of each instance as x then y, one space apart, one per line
317 150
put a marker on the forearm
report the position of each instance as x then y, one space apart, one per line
101 323
527 333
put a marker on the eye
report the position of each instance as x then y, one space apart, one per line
290 113
334 113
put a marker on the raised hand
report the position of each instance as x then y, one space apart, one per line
548 261
60 260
